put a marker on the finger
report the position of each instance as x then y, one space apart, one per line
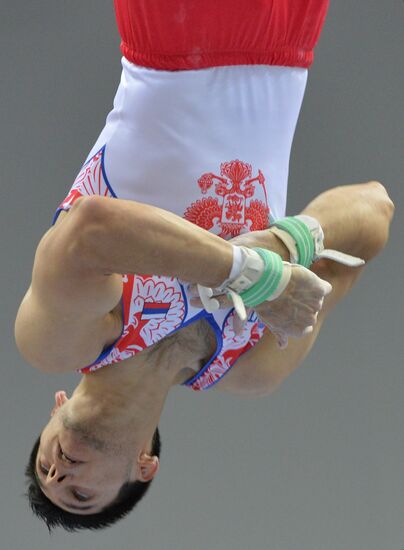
293 328
314 304
282 340
320 304
224 301
304 330
238 325
192 290
322 288
327 287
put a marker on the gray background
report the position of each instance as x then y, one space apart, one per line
319 464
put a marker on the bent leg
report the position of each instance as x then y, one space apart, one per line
355 220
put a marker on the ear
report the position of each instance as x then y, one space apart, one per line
147 467
60 399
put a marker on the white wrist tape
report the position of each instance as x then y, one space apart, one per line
263 278
247 269
238 262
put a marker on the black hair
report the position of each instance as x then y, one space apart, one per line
128 496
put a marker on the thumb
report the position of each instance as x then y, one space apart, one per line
282 340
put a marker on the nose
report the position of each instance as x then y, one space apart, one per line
55 475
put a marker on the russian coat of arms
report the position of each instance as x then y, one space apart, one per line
234 209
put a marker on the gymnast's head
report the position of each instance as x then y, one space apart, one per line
87 471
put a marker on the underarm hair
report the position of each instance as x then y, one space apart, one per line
197 338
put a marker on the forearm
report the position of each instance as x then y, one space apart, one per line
122 236
355 220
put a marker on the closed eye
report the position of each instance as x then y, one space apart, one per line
80 497
65 458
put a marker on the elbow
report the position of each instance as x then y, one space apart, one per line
87 217
30 345
42 363
381 216
88 213
89 208
26 352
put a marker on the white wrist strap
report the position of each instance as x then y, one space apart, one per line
264 278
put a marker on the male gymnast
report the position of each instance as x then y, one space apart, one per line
170 261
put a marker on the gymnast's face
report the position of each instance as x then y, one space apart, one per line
81 474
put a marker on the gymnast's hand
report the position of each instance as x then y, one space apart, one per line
294 313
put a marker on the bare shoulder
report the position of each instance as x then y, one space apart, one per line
68 314
254 373
264 367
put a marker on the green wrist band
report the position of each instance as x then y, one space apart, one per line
302 236
268 282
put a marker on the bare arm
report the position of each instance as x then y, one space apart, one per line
65 320
122 236
356 220
67 316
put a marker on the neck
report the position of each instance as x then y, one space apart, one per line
125 401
